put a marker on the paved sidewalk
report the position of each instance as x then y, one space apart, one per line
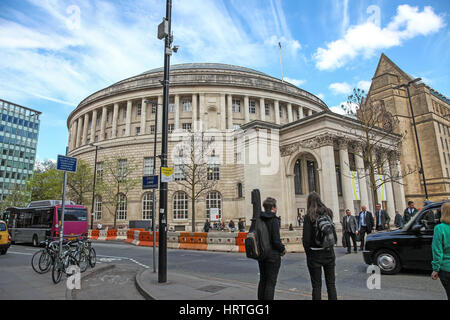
187 287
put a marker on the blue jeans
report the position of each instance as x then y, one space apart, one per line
444 276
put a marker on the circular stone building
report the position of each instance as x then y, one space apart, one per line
266 134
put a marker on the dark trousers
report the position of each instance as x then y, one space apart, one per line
316 260
268 274
362 235
444 276
347 236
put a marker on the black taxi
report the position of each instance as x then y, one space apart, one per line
409 247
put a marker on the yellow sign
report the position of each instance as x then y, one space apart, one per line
166 174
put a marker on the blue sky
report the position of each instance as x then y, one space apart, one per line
53 53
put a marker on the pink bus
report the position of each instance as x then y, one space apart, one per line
42 219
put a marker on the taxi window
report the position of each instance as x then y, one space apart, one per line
430 218
2 226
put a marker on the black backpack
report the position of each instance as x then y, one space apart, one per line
257 242
325 234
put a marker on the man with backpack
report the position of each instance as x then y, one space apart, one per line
270 266
319 238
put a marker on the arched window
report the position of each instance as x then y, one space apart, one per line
180 206
213 201
147 206
122 208
298 177
98 208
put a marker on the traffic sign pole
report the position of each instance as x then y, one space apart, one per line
61 230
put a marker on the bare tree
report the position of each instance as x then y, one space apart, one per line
117 182
195 167
80 183
378 126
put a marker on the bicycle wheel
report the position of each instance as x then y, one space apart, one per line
57 270
92 257
82 260
35 260
45 262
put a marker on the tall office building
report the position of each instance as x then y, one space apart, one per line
19 131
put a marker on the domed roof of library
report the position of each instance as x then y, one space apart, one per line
197 66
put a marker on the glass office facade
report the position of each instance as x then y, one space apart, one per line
19 132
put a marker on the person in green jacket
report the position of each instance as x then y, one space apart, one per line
441 249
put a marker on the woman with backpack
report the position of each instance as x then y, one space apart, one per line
319 238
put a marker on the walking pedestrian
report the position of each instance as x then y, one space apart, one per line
409 212
349 226
365 225
318 257
206 226
269 267
441 249
383 218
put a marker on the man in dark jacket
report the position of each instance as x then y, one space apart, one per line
349 226
409 212
269 267
398 222
365 224
382 217
207 226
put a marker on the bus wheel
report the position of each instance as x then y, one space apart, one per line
35 241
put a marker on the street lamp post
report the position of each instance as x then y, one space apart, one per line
421 171
93 187
164 31
154 190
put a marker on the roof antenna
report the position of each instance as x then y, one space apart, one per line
281 62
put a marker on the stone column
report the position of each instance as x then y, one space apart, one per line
176 105
230 111
397 185
85 129
143 116
389 191
202 109
300 108
262 109
114 120
310 112
94 125
346 179
128 120
246 110
194 113
329 183
363 193
223 112
79 130
160 108
289 110
103 124
73 136
277 111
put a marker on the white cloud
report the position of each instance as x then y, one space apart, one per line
338 109
366 38
341 88
321 96
295 82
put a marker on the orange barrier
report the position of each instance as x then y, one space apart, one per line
95 234
111 234
193 240
240 241
146 239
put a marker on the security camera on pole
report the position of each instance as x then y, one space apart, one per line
164 31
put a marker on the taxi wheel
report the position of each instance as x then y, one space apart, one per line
387 261
3 251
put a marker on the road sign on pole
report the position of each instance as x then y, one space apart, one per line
67 164
166 174
149 182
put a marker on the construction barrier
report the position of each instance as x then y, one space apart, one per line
212 241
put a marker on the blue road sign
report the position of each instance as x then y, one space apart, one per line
66 164
149 182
